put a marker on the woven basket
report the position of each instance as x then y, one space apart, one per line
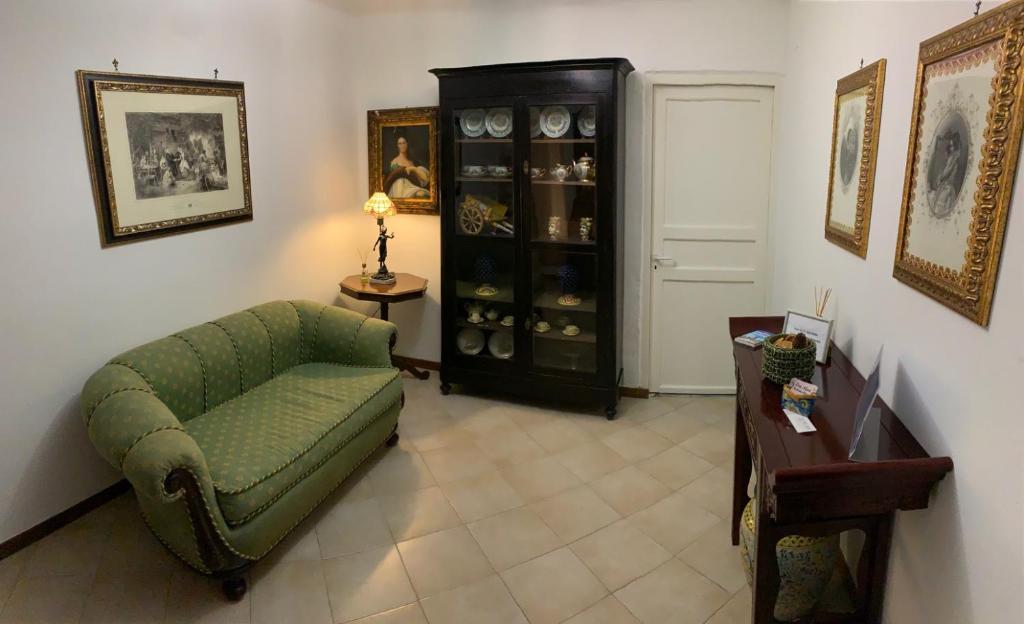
781 365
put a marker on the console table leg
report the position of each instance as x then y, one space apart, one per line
740 474
766 570
874 567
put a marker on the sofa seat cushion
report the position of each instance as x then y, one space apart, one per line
258 445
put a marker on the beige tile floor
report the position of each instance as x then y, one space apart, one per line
487 511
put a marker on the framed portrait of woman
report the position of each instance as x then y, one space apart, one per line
962 160
403 157
851 183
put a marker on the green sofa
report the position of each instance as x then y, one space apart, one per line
231 432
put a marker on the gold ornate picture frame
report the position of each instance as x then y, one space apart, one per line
402 146
166 154
962 160
851 184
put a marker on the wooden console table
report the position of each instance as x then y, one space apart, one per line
805 483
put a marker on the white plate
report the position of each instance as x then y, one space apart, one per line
470 341
534 122
472 122
555 121
586 121
501 345
499 122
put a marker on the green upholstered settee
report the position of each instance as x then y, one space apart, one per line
231 432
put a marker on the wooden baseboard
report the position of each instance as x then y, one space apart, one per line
636 393
65 517
401 360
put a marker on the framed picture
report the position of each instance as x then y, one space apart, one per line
402 150
851 182
815 327
165 154
962 160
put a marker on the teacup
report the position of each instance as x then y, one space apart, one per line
492 315
474 317
571 330
543 326
473 171
499 171
508 321
537 172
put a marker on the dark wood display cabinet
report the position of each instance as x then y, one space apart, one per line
532 160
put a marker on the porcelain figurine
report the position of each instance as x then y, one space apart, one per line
554 227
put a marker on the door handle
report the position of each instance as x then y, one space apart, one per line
665 260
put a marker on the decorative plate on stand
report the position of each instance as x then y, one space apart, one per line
499 122
470 341
501 345
472 122
555 121
586 122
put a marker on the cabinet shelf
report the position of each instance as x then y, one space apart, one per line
549 300
484 325
556 334
484 140
573 244
563 183
467 290
482 179
563 141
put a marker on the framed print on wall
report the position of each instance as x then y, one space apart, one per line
402 149
962 160
851 182
165 154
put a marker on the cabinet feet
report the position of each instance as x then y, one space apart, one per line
392 439
445 388
610 412
234 588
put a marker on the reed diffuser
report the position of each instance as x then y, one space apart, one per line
364 277
821 296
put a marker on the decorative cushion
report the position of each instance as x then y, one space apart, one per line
258 445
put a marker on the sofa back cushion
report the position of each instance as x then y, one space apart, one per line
202 367
170 367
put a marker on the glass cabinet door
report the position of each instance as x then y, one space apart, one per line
561 208
485 228
563 173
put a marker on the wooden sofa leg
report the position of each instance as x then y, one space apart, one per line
234 588
393 438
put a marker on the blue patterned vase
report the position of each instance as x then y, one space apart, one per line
806 567
569 279
485 269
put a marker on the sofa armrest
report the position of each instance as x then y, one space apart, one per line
374 342
347 337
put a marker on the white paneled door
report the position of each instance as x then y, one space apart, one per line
711 183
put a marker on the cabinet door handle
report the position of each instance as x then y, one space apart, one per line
526 166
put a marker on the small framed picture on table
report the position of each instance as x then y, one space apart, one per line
815 327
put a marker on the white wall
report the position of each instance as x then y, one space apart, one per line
953 383
69 305
740 35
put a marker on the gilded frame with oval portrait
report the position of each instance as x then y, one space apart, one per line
962 156
851 183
